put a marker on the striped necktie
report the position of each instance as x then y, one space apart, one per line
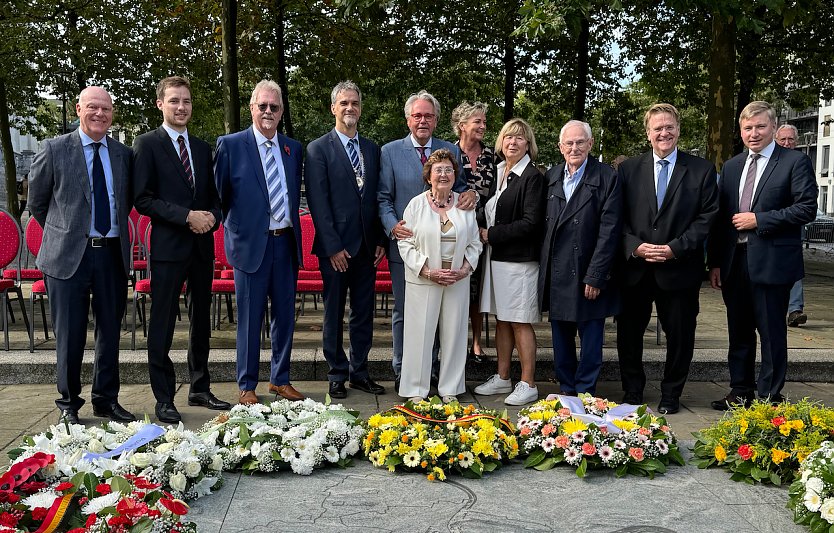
274 185
186 162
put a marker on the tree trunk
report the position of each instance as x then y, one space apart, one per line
747 76
720 110
77 62
510 74
286 119
231 91
8 154
582 51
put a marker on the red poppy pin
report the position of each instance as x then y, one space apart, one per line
287 149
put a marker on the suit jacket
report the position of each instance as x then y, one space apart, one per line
162 192
683 221
344 219
519 213
424 245
784 200
401 179
581 240
60 199
244 200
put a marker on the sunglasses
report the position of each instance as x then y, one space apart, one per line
272 107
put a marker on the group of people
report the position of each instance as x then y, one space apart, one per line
466 230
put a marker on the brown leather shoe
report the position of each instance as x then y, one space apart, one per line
248 397
286 391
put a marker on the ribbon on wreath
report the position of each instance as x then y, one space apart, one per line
146 434
468 418
56 514
577 410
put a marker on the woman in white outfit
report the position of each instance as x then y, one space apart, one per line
439 257
515 224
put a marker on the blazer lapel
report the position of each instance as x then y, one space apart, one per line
173 156
75 154
344 160
289 171
646 177
768 171
254 152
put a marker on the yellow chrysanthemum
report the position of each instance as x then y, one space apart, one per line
720 454
388 436
625 425
742 425
572 425
374 420
797 424
436 448
777 455
441 475
482 447
785 429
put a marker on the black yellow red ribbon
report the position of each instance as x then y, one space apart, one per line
56 514
468 418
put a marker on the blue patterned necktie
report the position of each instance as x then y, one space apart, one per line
357 164
662 181
101 200
274 185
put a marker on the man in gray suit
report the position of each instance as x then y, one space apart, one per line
400 180
79 192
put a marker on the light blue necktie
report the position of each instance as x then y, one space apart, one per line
274 185
662 181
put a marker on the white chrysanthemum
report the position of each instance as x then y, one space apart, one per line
606 453
43 499
331 454
467 460
287 454
411 459
806 473
95 505
812 501
350 449
548 444
814 484
301 468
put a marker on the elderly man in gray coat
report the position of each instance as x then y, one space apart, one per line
583 226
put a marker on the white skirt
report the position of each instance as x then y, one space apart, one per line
510 290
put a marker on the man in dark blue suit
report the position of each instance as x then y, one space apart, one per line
582 235
341 176
173 184
258 176
766 195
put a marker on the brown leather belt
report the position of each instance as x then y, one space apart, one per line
101 242
278 232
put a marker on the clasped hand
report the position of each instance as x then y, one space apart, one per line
200 221
654 253
446 276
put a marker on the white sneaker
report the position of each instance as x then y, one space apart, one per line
494 385
450 398
522 394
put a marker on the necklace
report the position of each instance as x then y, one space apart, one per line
438 204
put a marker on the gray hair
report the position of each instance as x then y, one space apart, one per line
422 95
572 123
343 86
464 112
790 127
265 85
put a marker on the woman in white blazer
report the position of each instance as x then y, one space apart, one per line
442 251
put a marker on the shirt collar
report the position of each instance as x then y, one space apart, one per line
519 167
87 140
579 172
260 138
671 158
174 134
344 138
417 145
767 151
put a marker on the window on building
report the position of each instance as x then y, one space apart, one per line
824 198
826 153
826 128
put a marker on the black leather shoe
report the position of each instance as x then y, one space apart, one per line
669 406
209 400
477 357
114 412
166 412
337 390
732 400
634 398
69 416
367 385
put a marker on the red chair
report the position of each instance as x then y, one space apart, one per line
224 284
33 237
140 255
309 276
383 287
11 240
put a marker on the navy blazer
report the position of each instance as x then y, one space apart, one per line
683 221
162 192
784 200
244 200
344 219
581 240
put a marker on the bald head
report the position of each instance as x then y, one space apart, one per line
95 112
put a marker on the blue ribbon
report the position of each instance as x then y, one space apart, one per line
146 434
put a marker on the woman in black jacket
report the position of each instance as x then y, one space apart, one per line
514 220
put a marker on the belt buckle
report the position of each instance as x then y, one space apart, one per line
97 242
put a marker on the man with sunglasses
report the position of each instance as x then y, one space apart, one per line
400 180
258 176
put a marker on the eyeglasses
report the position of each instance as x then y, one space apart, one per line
272 107
420 116
579 144
443 171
